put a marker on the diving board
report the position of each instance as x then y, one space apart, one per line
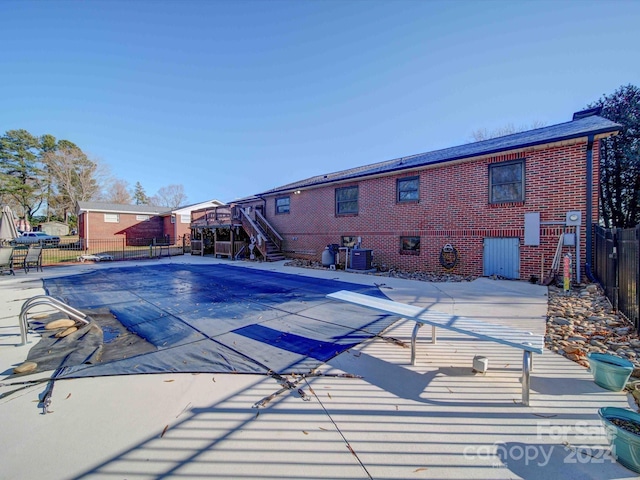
526 341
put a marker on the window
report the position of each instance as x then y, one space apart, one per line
346 200
282 205
173 219
506 182
185 218
409 245
408 189
349 241
142 218
111 218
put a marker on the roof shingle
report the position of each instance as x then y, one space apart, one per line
581 127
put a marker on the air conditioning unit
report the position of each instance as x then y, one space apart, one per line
361 259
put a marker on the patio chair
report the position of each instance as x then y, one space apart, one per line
33 258
6 259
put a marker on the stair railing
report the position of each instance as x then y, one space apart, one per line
254 231
54 302
271 232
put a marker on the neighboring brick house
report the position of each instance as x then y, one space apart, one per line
495 207
137 224
177 223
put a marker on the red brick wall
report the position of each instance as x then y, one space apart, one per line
182 229
176 230
168 228
128 227
453 208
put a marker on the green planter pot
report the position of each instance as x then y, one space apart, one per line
625 446
609 371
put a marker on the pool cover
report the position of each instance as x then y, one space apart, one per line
213 318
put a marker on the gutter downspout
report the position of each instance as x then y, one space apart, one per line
589 206
86 231
175 228
264 205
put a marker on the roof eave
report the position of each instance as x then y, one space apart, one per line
600 133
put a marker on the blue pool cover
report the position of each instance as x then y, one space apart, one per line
220 318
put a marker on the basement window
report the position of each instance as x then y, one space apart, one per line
409 245
506 182
348 241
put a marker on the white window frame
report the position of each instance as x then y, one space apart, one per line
185 218
111 218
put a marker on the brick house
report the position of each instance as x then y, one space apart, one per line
137 224
177 223
496 207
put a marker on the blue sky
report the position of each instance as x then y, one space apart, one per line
232 98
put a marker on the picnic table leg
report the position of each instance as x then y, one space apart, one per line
414 335
526 366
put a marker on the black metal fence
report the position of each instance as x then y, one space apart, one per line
617 268
72 250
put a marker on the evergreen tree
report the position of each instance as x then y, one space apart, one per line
139 195
21 172
620 159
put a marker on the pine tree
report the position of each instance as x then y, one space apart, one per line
139 195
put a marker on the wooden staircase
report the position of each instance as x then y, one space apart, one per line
268 241
273 253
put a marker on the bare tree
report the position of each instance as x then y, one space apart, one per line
171 196
73 177
509 129
117 192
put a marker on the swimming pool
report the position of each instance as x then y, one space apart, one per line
213 318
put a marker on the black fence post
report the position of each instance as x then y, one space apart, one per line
614 267
636 280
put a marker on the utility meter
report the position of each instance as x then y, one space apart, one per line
574 219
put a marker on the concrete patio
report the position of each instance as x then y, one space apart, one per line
370 414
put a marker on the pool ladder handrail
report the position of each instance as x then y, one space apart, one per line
54 302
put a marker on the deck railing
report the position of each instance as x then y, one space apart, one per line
224 248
